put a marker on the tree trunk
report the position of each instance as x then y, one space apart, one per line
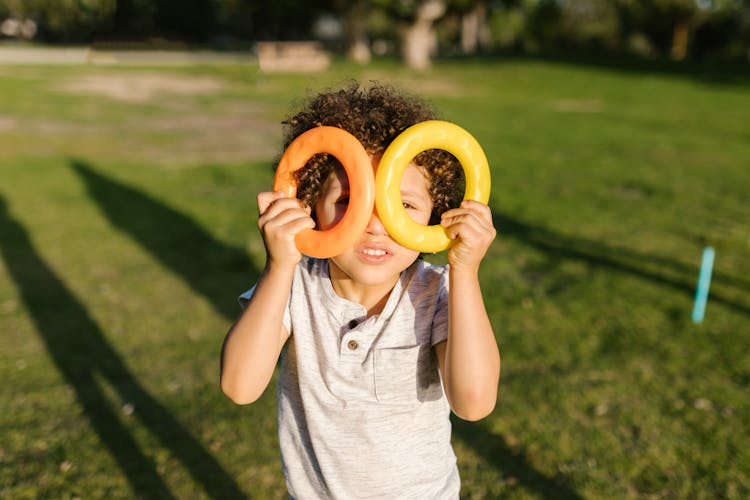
680 40
356 34
475 34
419 40
359 50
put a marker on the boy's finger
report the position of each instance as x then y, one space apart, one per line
277 215
266 199
278 205
468 216
297 225
480 208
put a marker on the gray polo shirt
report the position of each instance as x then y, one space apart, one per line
361 409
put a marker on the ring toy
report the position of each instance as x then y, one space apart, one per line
352 155
432 134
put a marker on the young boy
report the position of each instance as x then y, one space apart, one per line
380 346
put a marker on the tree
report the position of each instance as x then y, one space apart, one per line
419 42
724 31
418 39
268 20
66 20
475 33
667 23
353 16
133 18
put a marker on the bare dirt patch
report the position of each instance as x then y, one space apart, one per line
238 135
179 128
142 87
187 136
423 86
7 123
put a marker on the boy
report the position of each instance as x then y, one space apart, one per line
379 345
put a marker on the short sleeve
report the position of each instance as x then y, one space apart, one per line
244 299
440 318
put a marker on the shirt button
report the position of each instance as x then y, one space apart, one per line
353 324
352 345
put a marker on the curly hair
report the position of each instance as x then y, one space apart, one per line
375 116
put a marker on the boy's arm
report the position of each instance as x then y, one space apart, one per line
469 360
253 344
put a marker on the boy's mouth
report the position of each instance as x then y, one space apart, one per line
374 252
373 255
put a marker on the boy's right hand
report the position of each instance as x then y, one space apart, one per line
281 218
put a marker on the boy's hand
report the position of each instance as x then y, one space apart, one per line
281 218
471 225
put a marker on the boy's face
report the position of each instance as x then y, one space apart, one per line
375 258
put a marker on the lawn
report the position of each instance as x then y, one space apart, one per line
128 228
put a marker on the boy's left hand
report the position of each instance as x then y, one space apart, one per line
472 228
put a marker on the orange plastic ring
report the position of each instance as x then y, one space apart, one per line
352 155
432 134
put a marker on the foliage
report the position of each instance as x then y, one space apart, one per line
133 19
654 28
645 27
278 20
66 19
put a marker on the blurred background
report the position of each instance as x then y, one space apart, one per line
412 29
135 135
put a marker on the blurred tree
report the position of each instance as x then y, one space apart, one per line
418 38
269 20
724 30
419 42
65 20
9 8
667 23
134 18
475 32
676 28
507 24
591 25
543 24
186 19
354 16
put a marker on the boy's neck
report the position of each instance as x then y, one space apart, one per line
373 298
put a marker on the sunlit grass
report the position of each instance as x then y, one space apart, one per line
607 184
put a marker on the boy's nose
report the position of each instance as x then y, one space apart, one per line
374 226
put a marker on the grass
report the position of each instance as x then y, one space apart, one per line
127 228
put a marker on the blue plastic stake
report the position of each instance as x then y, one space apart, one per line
704 281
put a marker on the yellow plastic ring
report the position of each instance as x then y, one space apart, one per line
356 162
432 134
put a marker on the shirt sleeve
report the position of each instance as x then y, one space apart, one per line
244 299
440 319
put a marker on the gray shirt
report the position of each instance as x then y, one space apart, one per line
361 409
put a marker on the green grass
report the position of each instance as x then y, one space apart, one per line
128 228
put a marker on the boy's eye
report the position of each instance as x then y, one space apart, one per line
344 200
409 206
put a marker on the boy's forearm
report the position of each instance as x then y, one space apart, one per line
253 344
472 358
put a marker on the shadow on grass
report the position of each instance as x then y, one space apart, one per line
83 356
657 269
707 72
513 464
211 268
182 246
